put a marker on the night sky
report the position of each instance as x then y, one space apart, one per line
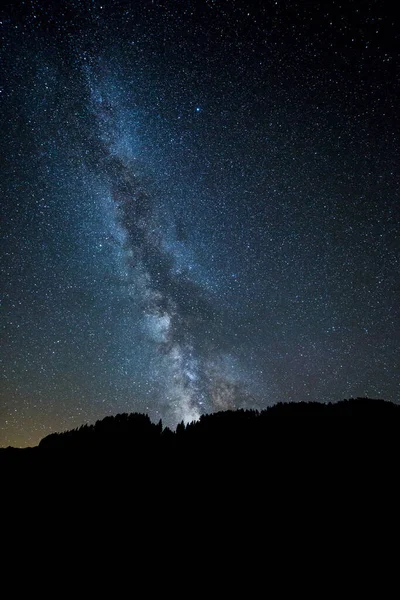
198 208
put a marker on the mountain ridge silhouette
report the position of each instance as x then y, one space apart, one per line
287 463
125 429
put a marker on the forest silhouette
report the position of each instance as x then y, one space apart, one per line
234 472
290 429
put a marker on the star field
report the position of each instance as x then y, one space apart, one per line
199 208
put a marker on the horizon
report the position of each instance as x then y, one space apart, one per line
230 410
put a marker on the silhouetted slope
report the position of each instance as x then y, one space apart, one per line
132 430
243 428
122 431
291 461
296 442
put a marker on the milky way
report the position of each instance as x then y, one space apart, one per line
179 317
198 208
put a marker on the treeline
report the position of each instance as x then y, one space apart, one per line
241 428
260 455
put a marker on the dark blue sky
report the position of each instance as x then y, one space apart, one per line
198 208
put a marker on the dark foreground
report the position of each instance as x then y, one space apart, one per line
301 494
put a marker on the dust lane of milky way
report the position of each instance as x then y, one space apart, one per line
198 208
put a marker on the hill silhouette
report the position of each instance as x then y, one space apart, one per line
135 430
290 472
241 434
